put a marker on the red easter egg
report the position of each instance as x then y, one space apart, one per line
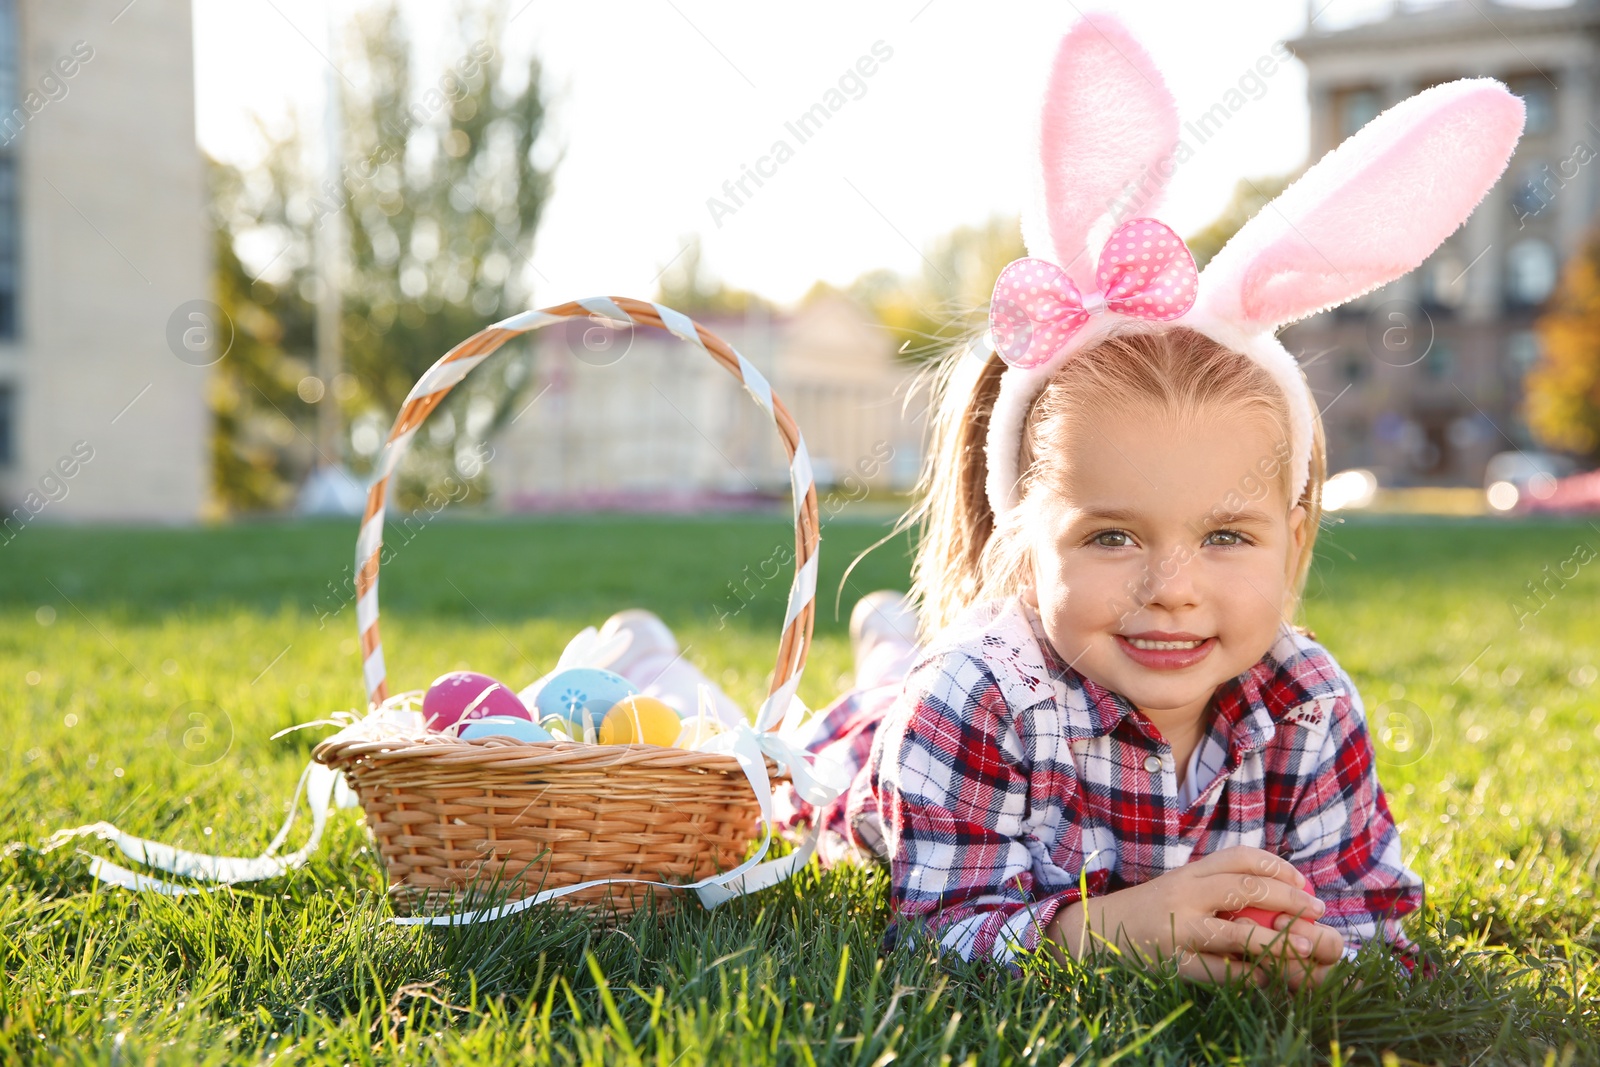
1259 916
468 695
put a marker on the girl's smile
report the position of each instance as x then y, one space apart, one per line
1165 652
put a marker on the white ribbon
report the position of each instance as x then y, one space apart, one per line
316 782
816 779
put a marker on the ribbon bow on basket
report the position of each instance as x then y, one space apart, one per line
1145 271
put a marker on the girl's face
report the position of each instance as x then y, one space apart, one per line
1176 540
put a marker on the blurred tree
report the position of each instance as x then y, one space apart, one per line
1562 391
687 285
1249 196
439 194
950 294
260 429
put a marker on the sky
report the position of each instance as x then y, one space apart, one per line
657 103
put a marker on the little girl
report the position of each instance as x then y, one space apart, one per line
1112 695
1112 734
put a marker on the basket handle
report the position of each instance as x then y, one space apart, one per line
454 365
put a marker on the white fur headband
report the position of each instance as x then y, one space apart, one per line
1366 213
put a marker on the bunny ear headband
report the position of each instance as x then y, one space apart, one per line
1366 213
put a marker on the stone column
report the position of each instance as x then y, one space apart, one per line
1324 124
1484 231
1575 97
1397 88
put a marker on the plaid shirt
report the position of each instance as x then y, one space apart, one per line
998 775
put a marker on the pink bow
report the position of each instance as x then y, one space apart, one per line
1145 271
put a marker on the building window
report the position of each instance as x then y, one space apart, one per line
1531 272
1534 189
8 56
1355 366
1522 352
8 425
8 247
9 223
1443 280
1539 102
1357 107
1440 361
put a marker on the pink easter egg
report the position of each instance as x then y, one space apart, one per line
468 695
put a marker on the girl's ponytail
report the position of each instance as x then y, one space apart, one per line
952 512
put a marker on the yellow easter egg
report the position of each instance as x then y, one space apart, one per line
640 720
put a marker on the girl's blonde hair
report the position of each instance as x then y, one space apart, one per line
963 556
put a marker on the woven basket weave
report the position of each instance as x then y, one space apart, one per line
457 820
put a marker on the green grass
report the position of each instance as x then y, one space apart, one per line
1488 733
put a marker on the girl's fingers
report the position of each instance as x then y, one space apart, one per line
1243 937
1268 953
1232 891
1229 936
1327 944
1243 859
1300 976
1217 970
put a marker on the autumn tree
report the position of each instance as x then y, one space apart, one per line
1562 390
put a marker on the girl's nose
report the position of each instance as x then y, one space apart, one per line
1169 581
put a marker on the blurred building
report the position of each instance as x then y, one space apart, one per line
103 245
638 418
1422 380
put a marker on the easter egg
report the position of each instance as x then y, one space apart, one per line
697 729
468 695
640 720
505 726
581 695
1259 916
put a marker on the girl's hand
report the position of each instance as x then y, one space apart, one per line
1175 914
1327 949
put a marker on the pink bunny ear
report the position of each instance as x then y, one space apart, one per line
1106 140
1370 210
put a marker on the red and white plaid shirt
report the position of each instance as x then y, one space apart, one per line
998 775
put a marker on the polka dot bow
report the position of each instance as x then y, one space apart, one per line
1145 271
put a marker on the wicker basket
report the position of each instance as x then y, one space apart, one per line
454 820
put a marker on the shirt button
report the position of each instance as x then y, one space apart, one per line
1152 763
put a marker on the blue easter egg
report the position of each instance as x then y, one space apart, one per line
579 693
505 726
